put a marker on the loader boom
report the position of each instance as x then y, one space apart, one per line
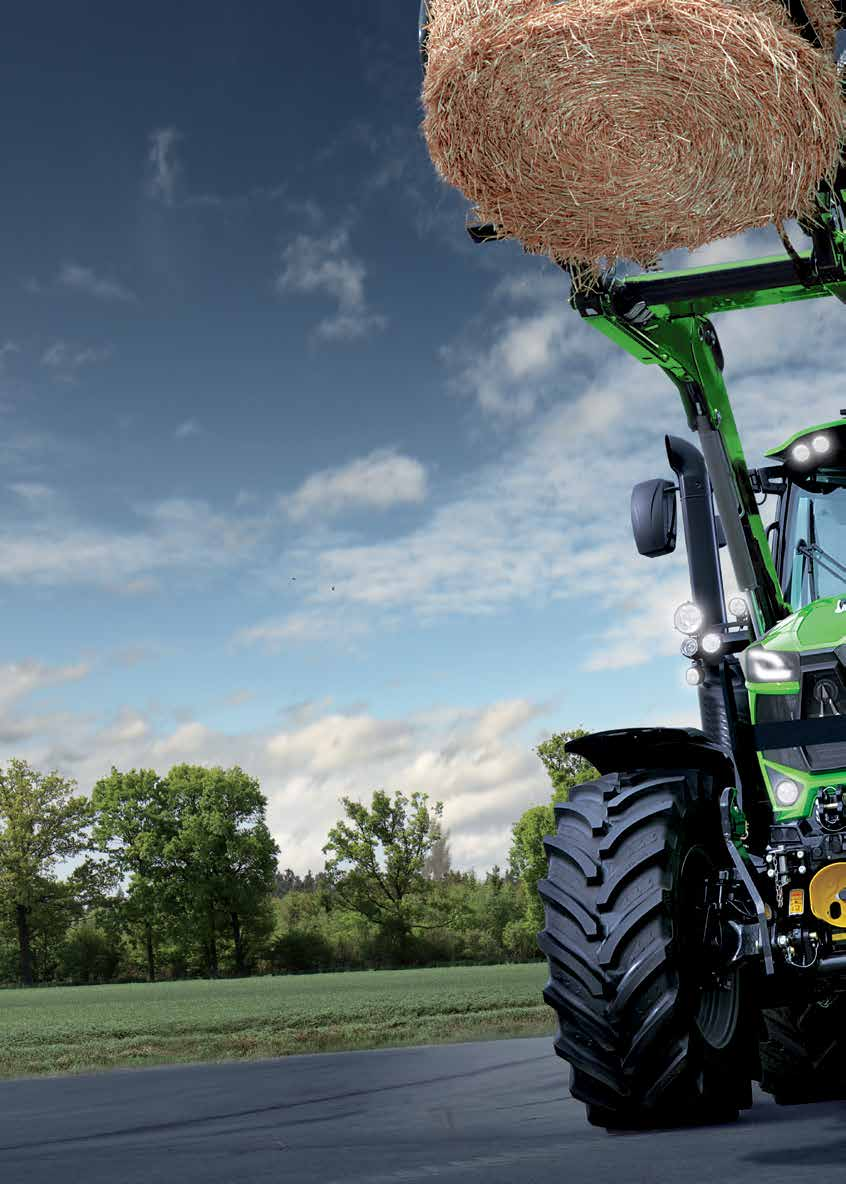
662 318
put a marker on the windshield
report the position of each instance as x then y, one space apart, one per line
817 520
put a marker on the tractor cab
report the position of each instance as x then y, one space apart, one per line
810 543
796 673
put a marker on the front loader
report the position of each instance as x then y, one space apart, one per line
695 901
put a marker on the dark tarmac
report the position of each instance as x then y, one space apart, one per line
489 1112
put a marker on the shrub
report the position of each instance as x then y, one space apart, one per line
87 955
299 950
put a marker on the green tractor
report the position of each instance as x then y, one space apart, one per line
695 900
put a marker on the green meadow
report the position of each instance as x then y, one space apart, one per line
86 1029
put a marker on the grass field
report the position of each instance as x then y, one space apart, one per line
84 1029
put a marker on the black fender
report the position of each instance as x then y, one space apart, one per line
629 749
621 749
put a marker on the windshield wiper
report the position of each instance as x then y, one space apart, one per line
816 554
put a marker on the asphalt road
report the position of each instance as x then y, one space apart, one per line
495 1112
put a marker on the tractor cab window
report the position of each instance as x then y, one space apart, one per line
815 553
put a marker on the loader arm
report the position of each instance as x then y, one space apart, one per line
661 318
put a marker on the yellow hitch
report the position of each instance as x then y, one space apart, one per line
824 891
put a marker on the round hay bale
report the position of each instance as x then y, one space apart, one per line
604 129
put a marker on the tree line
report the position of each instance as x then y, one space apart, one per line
179 877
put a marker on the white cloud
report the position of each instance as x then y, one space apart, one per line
549 520
32 492
129 727
165 168
8 347
134 655
189 742
484 773
166 180
511 365
61 356
309 209
644 629
479 762
232 201
18 679
297 628
189 428
326 264
83 279
380 480
339 744
178 535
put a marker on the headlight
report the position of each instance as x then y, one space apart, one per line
694 676
760 665
687 617
801 453
711 643
786 792
738 607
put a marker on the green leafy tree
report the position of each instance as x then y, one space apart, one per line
54 906
222 858
40 823
565 769
377 868
528 858
134 812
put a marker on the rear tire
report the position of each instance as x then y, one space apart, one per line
803 1057
650 1039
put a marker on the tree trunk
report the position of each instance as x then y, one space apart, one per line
23 944
213 967
239 945
151 964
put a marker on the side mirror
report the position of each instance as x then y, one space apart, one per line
654 517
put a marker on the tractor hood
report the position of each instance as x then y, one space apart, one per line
819 626
773 664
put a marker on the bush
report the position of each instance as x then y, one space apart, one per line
10 963
299 950
521 942
480 946
87 955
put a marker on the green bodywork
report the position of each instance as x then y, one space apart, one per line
816 628
780 452
676 338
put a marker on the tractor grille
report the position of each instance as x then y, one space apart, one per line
823 695
779 709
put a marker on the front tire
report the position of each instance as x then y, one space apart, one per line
803 1056
651 1039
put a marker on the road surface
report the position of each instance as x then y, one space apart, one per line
489 1112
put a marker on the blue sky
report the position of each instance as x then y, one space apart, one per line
295 477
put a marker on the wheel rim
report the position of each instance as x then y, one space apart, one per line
718 1012
715 1000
